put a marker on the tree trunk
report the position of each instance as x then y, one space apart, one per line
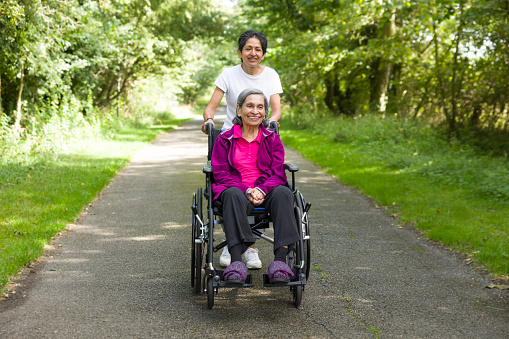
382 71
17 118
440 82
476 114
119 83
455 84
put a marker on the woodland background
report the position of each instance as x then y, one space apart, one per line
443 62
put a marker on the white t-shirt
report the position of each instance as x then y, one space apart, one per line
234 80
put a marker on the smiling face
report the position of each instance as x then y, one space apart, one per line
252 111
252 53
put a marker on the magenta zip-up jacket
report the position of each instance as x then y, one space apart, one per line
270 159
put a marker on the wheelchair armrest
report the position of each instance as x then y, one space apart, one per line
291 167
207 169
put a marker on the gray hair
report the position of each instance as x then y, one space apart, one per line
240 101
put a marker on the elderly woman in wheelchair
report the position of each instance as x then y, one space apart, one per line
248 172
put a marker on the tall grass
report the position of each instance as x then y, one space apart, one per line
453 191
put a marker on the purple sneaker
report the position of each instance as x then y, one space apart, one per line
279 272
235 273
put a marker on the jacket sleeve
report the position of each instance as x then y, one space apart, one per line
275 173
225 176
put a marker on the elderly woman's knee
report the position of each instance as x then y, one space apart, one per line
283 192
232 193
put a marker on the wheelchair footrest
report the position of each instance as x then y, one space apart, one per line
222 283
300 281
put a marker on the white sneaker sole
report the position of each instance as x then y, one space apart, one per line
254 266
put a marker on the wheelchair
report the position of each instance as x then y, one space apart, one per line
205 278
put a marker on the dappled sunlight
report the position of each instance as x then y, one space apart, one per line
312 180
96 230
148 238
139 238
371 169
88 252
70 260
146 165
170 224
157 157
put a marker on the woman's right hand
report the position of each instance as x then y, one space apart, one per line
204 126
255 197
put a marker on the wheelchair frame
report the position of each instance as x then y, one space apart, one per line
204 277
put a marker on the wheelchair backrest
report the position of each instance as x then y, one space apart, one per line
213 133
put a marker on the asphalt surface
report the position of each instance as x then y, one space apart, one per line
123 270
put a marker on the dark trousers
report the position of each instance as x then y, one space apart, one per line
236 208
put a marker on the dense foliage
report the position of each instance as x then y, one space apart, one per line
71 57
441 60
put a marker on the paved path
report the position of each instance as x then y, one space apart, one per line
124 270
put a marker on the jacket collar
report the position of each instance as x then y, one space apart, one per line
228 134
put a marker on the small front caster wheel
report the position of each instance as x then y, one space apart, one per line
297 295
210 292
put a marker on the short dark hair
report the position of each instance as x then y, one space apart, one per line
244 37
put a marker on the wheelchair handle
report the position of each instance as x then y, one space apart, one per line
273 125
209 126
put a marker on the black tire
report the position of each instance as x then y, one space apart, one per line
210 292
297 295
198 268
307 258
193 244
299 201
197 248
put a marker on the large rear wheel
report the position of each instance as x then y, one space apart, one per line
304 224
193 244
198 269
197 245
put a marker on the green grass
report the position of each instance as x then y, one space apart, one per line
41 193
454 192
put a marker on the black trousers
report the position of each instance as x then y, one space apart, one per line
236 208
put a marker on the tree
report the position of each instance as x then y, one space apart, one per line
440 60
61 57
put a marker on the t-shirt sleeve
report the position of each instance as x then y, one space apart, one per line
221 81
277 88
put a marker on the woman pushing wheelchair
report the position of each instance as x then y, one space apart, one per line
248 172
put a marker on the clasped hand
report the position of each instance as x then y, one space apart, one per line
254 196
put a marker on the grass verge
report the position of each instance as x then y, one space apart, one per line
40 194
453 192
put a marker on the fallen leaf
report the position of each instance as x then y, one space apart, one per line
500 287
